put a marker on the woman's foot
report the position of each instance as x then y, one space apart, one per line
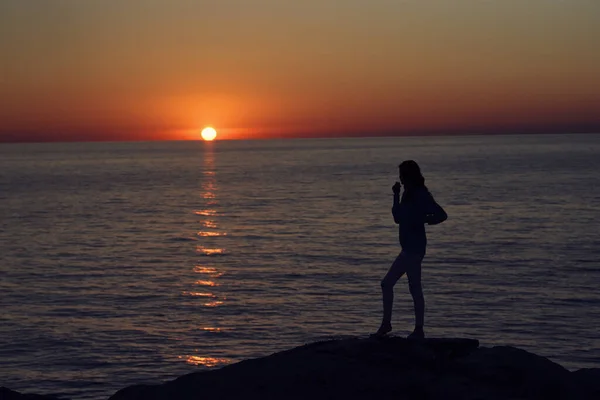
384 329
418 333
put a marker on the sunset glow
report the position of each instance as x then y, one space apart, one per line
361 69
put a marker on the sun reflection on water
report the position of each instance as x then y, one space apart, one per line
212 329
206 213
209 252
212 234
214 303
209 224
199 294
210 271
205 361
207 283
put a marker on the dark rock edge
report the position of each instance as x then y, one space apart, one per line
377 368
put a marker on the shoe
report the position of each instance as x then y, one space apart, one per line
417 334
383 330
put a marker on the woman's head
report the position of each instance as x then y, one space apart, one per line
410 174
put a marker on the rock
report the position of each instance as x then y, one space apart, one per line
378 368
387 368
7 394
589 380
516 372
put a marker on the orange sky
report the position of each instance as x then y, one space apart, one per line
158 69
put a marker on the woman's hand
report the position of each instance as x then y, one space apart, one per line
396 188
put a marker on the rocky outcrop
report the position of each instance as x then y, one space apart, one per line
388 368
379 368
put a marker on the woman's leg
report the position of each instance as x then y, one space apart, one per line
413 272
397 269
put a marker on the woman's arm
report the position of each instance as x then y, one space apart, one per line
396 207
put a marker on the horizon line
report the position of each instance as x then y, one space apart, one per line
306 136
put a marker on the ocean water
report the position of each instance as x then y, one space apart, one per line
127 263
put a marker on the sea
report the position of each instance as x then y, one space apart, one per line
132 263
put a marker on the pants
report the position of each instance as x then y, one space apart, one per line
411 265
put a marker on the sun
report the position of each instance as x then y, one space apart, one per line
209 133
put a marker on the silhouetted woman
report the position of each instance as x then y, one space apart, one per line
416 208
